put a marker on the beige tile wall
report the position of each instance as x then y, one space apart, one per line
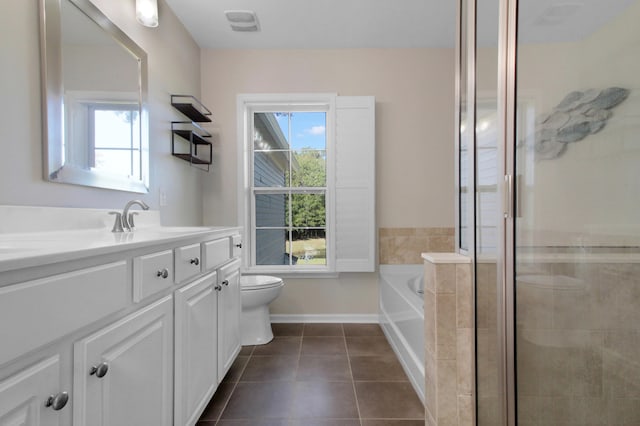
449 344
578 342
404 246
488 348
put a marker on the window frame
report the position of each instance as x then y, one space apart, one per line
247 106
77 168
94 106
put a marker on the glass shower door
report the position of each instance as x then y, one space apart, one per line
488 155
577 218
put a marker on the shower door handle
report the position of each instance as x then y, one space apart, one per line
512 196
507 196
517 196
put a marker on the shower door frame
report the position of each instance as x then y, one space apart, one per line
507 50
505 261
507 101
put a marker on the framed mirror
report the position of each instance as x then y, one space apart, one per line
94 99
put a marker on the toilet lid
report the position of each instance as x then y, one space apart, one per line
252 282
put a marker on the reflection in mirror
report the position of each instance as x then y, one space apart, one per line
95 80
465 129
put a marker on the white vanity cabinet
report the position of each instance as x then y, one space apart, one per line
135 334
123 374
196 347
229 310
224 254
32 397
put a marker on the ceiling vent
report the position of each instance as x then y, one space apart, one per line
242 20
558 13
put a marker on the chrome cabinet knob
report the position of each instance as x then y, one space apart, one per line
218 287
239 245
195 261
58 401
225 282
164 273
99 370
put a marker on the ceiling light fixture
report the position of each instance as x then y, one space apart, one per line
147 12
242 20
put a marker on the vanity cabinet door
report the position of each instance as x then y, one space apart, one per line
229 309
123 373
33 397
196 354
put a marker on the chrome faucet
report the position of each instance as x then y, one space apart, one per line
124 220
127 218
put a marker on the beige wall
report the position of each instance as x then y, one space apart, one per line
414 120
595 180
414 142
174 60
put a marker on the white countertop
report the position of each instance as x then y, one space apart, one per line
35 236
23 250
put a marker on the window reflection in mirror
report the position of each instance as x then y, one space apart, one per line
95 78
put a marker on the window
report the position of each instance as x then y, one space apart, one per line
114 138
104 135
290 181
289 168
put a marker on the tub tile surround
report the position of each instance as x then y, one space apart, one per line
403 246
449 339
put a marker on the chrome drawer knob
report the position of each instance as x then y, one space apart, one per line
218 287
57 402
195 261
225 282
239 245
99 370
164 273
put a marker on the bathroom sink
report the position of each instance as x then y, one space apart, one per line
180 229
173 230
10 250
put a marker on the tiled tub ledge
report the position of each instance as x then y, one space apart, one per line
570 258
436 258
449 339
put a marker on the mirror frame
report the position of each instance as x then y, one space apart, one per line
53 94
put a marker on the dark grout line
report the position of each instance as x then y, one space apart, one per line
235 385
353 382
298 354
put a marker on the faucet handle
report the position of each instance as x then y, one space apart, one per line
130 220
117 225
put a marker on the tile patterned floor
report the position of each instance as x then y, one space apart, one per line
316 375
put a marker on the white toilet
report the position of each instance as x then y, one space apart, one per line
257 292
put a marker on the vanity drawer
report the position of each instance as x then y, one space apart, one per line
236 245
38 312
216 253
152 273
187 262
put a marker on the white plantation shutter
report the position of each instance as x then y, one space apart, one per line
355 184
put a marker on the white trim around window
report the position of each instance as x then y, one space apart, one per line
354 250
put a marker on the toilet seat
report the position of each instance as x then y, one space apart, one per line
257 282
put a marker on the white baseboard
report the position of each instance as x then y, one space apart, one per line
326 318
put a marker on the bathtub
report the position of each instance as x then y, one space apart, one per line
401 310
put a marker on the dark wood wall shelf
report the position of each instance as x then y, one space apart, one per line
191 107
188 133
